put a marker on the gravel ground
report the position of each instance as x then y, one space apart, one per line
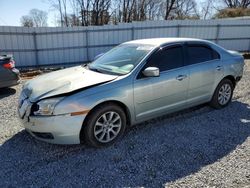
199 147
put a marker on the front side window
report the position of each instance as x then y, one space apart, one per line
122 59
199 54
167 58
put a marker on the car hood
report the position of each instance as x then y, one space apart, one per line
62 82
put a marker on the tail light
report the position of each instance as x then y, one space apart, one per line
9 65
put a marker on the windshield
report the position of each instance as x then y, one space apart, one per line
121 59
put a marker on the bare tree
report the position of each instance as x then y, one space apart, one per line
179 9
36 18
100 12
135 10
153 9
26 21
39 17
116 13
84 6
127 10
61 7
74 18
186 9
65 14
207 8
169 7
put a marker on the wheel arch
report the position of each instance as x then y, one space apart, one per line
213 102
114 102
231 78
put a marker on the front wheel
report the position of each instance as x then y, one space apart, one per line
104 125
223 94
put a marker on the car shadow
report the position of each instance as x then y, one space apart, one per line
150 155
6 92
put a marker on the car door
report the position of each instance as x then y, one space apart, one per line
166 93
204 67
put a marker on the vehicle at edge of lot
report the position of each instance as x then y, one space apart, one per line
135 81
9 75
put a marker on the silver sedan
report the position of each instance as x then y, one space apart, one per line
135 81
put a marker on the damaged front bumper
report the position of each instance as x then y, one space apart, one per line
61 129
56 129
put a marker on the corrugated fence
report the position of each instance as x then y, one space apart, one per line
54 46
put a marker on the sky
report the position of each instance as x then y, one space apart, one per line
12 10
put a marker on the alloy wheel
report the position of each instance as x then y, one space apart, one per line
225 93
107 127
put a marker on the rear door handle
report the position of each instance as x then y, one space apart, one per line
218 68
181 77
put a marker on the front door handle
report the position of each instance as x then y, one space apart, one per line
181 77
218 68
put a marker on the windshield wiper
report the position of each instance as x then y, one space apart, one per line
94 69
85 65
103 71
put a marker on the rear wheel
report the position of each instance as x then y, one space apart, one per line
104 125
223 94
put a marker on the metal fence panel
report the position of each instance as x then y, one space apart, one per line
56 45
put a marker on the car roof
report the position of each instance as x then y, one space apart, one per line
162 41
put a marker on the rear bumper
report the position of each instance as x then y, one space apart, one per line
14 79
9 83
61 129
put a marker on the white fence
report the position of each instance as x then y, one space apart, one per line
51 46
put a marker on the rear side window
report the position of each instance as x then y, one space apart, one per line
167 58
199 54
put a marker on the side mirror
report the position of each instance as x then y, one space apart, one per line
99 55
151 72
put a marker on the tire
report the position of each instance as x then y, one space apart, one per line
96 129
224 91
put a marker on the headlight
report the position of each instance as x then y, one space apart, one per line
46 107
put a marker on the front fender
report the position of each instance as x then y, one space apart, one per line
77 103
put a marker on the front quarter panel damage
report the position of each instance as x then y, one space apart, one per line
84 101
